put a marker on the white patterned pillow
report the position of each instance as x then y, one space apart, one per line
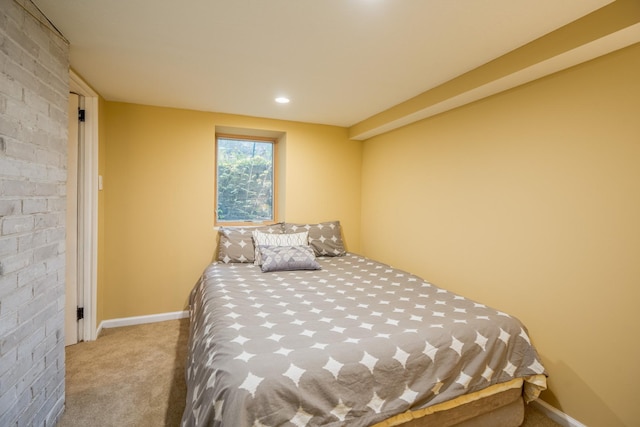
325 238
288 258
264 239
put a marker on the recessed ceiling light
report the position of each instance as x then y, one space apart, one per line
282 100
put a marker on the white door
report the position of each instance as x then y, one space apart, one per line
71 300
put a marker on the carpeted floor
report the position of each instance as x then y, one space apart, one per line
134 377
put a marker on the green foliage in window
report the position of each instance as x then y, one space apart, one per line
245 180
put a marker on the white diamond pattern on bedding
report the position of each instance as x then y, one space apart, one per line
352 344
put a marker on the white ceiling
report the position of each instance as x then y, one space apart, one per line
340 61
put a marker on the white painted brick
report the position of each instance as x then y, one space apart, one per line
33 379
61 302
10 126
35 102
27 344
8 167
8 246
42 283
20 150
45 124
16 412
34 89
9 87
57 204
38 34
19 297
15 30
41 318
9 319
56 411
17 108
38 403
21 75
17 187
62 190
8 322
10 416
30 311
46 252
55 336
32 172
36 400
53 359
50 158
46 189
7 400
56 174
10 207
32 273
31 206
33 96
57 234
9 342
54 264
3 58
47 220
43 410
40 137
49 94
8 284
32 240
58 114
17 224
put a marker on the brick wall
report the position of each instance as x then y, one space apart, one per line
34 86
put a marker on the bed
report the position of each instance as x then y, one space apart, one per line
332 338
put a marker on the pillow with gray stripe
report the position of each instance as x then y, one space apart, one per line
287 258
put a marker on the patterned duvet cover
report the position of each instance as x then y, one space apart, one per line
351 344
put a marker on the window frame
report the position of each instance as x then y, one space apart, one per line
274 182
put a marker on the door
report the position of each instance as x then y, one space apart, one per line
85 243
71 299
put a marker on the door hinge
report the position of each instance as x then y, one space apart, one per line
81 115
80 313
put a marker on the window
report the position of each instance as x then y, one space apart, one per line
244 179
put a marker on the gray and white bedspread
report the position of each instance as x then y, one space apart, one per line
352 344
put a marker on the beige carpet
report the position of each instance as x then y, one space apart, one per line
134 376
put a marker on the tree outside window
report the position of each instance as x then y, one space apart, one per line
245 180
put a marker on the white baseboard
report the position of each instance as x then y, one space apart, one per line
555 414
139 320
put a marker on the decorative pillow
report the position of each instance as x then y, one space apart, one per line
288 258
264 239
236 243
325 238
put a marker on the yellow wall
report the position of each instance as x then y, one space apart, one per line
158 198
530 201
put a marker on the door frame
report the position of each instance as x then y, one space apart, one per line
88 206
71 323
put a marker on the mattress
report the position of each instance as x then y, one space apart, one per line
355 343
